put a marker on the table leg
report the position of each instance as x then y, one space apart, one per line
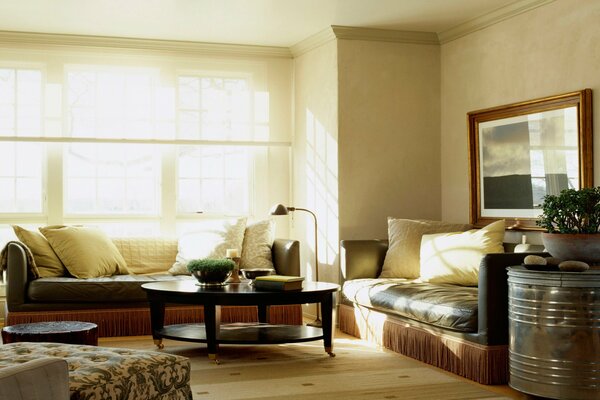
157 320
212 323
327 321
263 313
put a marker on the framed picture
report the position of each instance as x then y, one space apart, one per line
518 153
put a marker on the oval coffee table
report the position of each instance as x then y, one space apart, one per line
213 333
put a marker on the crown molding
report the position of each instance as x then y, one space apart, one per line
312 42
354 33
384 35
489 19
150 45
189 48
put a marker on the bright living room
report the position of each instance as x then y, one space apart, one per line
232 129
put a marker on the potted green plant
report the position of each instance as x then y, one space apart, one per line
572 220
211 272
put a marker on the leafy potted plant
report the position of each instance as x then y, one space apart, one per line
572 219
211 272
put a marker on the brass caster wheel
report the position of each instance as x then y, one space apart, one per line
329 351
214 358
159 344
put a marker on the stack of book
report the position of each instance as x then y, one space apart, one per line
278 282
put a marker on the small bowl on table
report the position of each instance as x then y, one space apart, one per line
252 273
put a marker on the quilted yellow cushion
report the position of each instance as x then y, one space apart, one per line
48 263
86 252
147 256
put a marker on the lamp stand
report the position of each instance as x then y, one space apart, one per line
317 323
280 209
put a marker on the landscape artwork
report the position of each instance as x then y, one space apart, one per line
525 158
521 152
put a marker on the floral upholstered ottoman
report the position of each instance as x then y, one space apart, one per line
102 373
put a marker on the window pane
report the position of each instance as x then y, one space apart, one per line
21 185
20 102
112 179
116 103
215 108
213 179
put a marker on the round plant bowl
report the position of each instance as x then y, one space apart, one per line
573 246
211 278
252 273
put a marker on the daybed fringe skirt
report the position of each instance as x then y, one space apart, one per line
136 321
484 364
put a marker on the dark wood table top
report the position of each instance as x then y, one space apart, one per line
237 293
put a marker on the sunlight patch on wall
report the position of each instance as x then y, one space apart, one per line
321 194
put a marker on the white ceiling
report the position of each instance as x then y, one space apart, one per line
256 22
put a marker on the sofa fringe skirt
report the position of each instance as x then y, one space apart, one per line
484 364
136 321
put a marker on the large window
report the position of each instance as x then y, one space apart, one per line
149 148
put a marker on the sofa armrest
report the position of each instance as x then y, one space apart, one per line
362 258
16 277
43 379
286 256
492 317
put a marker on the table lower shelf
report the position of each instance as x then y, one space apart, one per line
243 333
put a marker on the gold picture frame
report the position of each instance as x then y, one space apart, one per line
520 152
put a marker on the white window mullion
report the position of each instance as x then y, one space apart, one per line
168 201
54 183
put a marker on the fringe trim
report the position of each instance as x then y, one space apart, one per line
484 364
136 321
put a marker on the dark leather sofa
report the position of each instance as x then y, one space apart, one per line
461 329
118 304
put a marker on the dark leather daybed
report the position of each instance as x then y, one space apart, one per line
461 329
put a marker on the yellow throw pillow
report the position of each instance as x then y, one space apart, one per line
402 257
455 257
86 252
48 263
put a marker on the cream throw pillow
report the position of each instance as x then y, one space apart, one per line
46 260
258 241
402 257
455 257
211 240
86 252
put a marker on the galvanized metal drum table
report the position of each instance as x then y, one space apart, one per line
554 330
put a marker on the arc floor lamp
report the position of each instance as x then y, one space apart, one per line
280 209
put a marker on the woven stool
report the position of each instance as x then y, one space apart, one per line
72 332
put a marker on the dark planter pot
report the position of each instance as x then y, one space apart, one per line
574 246
212 277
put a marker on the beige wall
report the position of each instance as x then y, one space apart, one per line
315 165
550 50
389 143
